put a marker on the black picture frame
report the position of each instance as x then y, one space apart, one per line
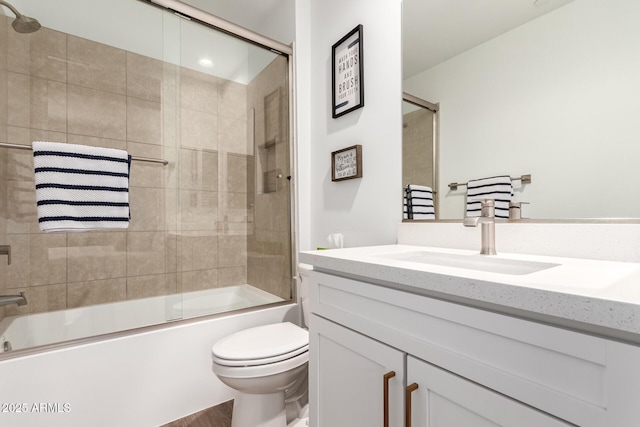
347 74
346 163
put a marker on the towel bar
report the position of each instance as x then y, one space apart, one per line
139 159
525 179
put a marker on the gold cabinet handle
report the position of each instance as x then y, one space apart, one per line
385 392
407 403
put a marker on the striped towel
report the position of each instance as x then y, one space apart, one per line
418 202
81 188
496 188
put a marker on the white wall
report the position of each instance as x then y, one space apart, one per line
140 380
365 210
556 98
302 175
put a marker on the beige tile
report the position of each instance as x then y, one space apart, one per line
22 216
96 255
198 91
144 174
145 150
172 252
151 286
48 259
231 276
145 253
233 252
234 208
198 130
147 209
198 170
144 121
232 136
40 299
18 273
19 100
144 77
48 105
97 142
40 54
232 99
96 113
20 165
96 292
170 83
198 210
3 194
197 280
277 206
96 66
25 136
198 251
236 178
171 210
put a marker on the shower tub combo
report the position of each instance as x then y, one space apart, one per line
34 330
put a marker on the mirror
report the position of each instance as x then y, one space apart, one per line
419 154
547 88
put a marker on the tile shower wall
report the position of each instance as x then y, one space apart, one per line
417 148
190 219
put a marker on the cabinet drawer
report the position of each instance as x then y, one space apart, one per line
558 371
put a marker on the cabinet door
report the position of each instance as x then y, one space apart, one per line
443 399
347 378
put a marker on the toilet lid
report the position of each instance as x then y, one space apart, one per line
260 345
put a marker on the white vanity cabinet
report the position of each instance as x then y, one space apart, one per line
359 381
438 398
472 367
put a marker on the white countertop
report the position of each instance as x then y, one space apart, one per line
601 297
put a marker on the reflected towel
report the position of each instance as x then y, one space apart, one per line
418 202
81 188
496 188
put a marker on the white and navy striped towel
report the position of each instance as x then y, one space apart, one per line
418 202
496 188
81 188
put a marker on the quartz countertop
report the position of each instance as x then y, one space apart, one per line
599 297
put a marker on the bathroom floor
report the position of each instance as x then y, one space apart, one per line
216 416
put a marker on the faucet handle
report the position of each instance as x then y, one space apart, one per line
488 209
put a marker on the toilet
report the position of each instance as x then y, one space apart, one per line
262 363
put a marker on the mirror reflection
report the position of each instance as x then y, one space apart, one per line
419 153
540 88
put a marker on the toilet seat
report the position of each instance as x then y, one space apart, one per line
262 345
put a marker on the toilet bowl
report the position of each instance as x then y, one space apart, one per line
262 363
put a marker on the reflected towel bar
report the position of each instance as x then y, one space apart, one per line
139 159
525 179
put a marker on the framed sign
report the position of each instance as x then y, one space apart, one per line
346 163
347 93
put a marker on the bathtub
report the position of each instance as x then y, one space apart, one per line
26 331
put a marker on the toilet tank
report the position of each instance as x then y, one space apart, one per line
303 290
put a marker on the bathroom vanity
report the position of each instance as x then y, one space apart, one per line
422 336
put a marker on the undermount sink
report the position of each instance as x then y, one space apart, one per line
472 262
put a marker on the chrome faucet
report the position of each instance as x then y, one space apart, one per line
487 220
13 299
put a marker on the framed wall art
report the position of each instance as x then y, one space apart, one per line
346 163
347 93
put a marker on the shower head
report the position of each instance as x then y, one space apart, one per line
22 23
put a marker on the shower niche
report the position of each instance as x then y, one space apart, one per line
269 170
